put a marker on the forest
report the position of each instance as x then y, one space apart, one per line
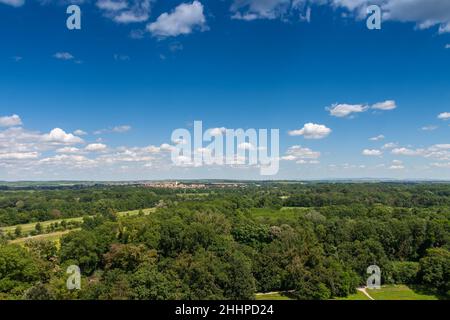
313 240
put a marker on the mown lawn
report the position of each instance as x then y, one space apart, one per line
400 292
357 296
274 296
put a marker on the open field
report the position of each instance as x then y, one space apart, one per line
31 226
274 296
28 227
135 212
54 237
399 292
357 296
389 292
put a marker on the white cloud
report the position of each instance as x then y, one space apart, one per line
372 152
405 152
117 129
397 165
68 150
249 10
246 146
10 121
441 165
390 145
59 136
447 46
18 155
312 131
79 132
444 116
217 131
63 56
112 5
96 147
125 11
184 19
299 152
377 138
429 128
386 105
345 110
425 13
121 129
14 3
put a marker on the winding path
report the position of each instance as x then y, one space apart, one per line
364 290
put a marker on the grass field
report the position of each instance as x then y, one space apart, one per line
54 236
357 296
28 227
400 292
389 292
274 296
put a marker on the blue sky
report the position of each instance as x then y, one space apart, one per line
139 69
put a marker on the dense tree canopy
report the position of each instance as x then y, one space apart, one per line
313 240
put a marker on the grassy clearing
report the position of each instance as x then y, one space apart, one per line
135 212
357 296
54 237
400 292
28 227
274 296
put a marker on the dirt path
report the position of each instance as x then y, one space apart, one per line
363 290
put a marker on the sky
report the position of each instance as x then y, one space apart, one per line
101 103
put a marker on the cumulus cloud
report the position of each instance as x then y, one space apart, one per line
246 146
125 11
444 116
217 131
297 153
18 155
312 131
345 110
80 132
96 147
59 136
249 10
184 19
390 145
10 121
68 150
372 152
111 5
404 151
386 105
424 13
13 3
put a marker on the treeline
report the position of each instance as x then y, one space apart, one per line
18 207
217 248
